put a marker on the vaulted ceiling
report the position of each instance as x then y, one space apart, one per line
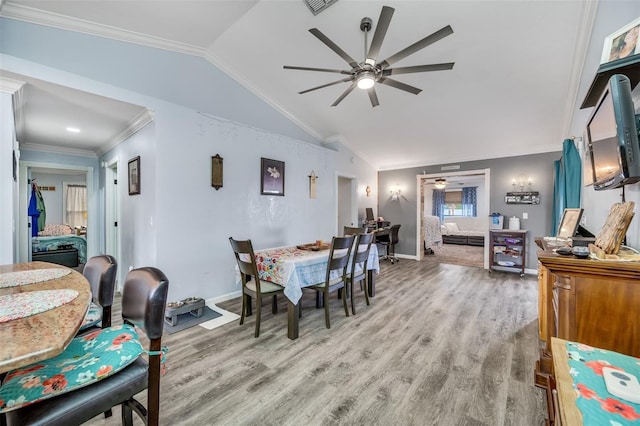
512 90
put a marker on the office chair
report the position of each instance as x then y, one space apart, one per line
389 242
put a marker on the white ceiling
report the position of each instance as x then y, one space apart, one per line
512 90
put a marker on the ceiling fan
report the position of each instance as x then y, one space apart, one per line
440 183
368 72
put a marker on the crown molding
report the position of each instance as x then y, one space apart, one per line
15 88
54 20
145 117
583 38
25 146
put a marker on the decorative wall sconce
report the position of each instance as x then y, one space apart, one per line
368 190
522 196
395 194
521 181
216 171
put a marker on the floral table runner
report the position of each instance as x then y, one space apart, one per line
20 305
598 406
13 279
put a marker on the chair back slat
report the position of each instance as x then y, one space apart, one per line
339 255
245 257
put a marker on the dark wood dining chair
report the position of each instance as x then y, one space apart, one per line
101 272
358 271
252 285
336 276
144 298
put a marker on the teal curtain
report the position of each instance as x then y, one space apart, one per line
470 201
567 182
438 202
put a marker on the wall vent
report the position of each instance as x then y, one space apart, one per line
456 167
317 6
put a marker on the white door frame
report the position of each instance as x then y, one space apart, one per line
112 215
354 199
420 207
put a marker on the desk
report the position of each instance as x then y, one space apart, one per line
295 269
45 335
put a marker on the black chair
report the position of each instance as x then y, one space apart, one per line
338 262
359 267
144 298
100 271
389 242
252 286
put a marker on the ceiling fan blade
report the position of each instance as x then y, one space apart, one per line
418 68
325 85
344 55
378 36
430 39
399 85
289 67
373 97
346 92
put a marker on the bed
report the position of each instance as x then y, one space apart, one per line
54 240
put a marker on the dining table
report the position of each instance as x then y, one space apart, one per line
295 268
42 306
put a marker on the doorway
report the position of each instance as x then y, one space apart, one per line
346 203
112 216
24 190
425 187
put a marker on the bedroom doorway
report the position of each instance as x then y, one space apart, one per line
23 235
454 180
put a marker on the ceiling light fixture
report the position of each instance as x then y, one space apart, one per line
366 80
73 129
440 183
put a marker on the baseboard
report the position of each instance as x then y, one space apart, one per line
406 256
223 298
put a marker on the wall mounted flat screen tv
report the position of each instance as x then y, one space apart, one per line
612 137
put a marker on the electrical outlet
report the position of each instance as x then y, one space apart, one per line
525 215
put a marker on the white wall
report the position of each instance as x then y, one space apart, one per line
611 16
8 191
53 199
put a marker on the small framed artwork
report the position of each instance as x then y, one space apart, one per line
623 43
272 177
134 176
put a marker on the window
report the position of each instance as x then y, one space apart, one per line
453 205
75 205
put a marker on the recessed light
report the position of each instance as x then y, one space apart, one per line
73 130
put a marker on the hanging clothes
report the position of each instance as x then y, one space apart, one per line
567 182
33 211
42 209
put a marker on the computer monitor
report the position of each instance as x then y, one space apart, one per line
370 216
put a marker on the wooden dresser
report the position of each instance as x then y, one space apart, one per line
588 301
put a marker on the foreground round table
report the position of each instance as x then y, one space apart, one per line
44 335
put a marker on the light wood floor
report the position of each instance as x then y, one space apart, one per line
439 345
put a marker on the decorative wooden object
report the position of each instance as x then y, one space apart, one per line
615 228
216 171
312 184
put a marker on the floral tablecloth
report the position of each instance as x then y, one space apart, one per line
295 269
597 405
13 279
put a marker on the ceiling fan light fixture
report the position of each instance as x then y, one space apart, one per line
440 183
366 80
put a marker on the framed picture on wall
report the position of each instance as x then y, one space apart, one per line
134 176
271 177
623 43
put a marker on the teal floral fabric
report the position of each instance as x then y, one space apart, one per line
86 360
93 317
